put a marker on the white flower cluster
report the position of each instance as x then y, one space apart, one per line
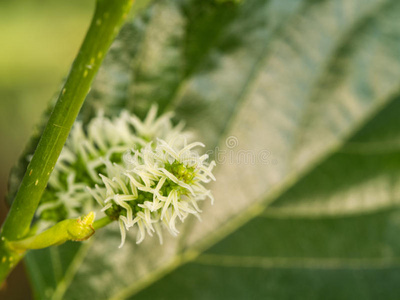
86 152
157 185
141 173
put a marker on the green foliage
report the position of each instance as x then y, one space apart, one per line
312 88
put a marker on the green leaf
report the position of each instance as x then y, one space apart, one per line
299 102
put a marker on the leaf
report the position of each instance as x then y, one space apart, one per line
299 102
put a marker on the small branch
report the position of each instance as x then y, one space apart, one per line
102 222
107 20
67 230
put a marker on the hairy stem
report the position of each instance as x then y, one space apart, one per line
106 22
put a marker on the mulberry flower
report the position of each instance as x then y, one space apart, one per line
155 187
142 173
83 156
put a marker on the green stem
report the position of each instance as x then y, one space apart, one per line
106 22
67 230
102 222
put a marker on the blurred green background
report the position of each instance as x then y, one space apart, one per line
39 40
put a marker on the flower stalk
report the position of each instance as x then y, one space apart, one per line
67 230
107 20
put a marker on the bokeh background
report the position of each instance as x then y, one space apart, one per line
38 42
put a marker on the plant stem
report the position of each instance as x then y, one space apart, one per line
106 22
67 230
102 222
